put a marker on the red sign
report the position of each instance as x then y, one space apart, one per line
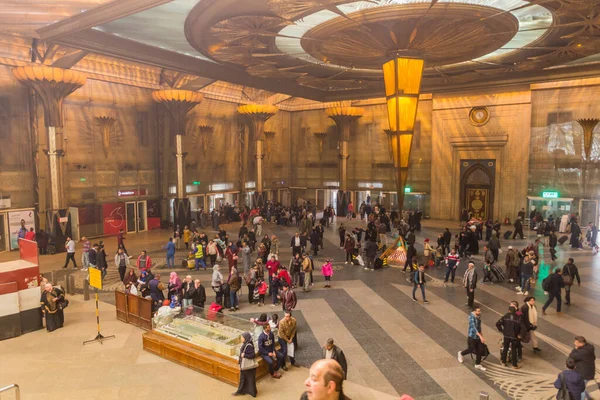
114 218
132 192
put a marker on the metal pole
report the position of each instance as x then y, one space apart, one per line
180 171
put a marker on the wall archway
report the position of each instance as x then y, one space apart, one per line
477 191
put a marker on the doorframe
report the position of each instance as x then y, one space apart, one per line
5 234
464 187
127 231
145 215
75 227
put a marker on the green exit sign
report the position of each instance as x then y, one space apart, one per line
407 190
196 182
82 179
550 195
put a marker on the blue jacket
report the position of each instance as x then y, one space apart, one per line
574 382
266 343
170 249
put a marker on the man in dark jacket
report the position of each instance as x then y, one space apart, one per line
553 287
518 228
447 239
510 326
333 352
570 271
288 299
198 294
552 242
370 253
411 252
156 290
585 360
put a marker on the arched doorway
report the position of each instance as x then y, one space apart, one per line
477 191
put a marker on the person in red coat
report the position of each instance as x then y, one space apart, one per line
30 235
272 266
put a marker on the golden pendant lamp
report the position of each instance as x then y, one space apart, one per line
402 77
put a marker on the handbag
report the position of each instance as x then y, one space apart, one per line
63 304
247 363
526 338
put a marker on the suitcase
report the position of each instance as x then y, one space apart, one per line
498 273
563 239
507 234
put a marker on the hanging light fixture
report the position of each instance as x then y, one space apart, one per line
402 77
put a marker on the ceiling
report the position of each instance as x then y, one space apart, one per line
329 50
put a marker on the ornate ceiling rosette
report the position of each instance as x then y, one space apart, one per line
340 45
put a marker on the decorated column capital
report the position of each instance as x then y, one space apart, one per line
178 103
52 85
255 116
588 125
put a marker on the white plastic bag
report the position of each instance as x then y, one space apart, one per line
360 261
290 349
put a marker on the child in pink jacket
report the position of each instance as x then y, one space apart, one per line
327 271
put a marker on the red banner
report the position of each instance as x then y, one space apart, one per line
114 218
153 214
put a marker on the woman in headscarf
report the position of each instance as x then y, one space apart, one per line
174 286
51 307
275 246
247 376
130 279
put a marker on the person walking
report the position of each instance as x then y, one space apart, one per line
585 361
452 261
475 340
494 245
121 241
327 271
419 282
553 284
307 267
530 316
552 242
526 275
510 327
333 352
70 247
296 244
447 239
122 263
569 274
170 247
288 298
511 263
248 366
85 253
470 283
572 381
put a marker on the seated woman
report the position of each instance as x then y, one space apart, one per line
130 280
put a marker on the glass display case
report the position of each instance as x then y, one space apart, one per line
210 330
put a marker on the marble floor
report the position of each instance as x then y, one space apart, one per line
393 345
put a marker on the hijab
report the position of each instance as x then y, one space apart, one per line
247 342
173 277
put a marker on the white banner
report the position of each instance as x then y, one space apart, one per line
17 220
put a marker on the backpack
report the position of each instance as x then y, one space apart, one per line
563 392
546 284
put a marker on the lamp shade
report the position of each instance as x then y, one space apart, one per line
402 78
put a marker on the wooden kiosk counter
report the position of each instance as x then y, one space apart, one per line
202 340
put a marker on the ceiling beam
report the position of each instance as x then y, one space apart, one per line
115 46
197 84
97 16
69 60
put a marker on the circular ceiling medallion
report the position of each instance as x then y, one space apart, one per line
446 34
479 116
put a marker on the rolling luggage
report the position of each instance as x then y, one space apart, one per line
498 273
563 239
507 234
